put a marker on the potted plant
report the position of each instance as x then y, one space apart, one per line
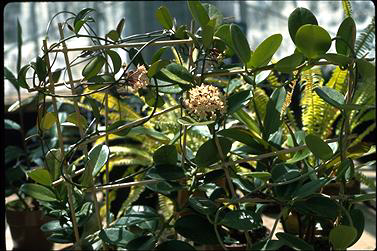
197 147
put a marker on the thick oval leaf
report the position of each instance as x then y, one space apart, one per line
318 206
318 147
80 19
98 157
223 32
9 75
289 63
342 236
331 96
187 226
367 70
264 52
213 13
346 31
312 40
78 120
53 160
240 43
208 154
41 69
38 192
203 205
337 59
156 67
165 187
143 217
117 236
358 221
198 12
207 33
48 120
242 220
157 55
115 58
175 245
166 154
178 73
166 172
22 77
293 241
54 226
187 121
93 67
309 188
236 100
113 35
9 124
272 119
100 81
41 176
153 100
118 124
299 17
120 26
243 136
164 17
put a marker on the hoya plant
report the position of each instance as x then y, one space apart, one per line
184 150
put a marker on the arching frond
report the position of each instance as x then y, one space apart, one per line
135 192
260 98
365 41
347 8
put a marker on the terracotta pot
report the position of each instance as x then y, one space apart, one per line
25 230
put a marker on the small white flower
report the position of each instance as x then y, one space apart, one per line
139 78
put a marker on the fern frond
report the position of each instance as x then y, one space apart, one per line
365 133
124 161
365 41
166 206
312 104
273 80
347 8
130 150
135 192
369 182
260 98
288 98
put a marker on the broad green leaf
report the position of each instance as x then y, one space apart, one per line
318 147
113 35
78 120
120 26
41 69
93 67
207 33
240 43
60 238
12 79
346 31
337 59
95 109
139 130
245 118
242 220
48 120
41 176
9 124
100 81
22 77
293 241
236 100
166 172
367 70
187 226
309 188
243 136
198 12
264 52
166 154
187 121
342 169
272 119
342 236
80 19
151 97
54 226
259 175
299 17
208 153
156 67
53 161
223 32
143 217
358 221
318 206
178 73
12 153
175 245
214 13
203 205
312 40
136 57
117 236
157 55
38 192
289 63
164 17
98 156
115 58
300 155
331 96
118 124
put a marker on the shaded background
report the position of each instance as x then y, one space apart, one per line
260 18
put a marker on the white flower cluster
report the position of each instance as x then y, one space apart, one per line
139 78
205 102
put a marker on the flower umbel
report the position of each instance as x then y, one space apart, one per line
139 78
205 102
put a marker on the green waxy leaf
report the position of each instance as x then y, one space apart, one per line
318 206
187 121
93 67
198 12
22 77
166 172
337 59
264 52
156 67
208 154
153 100
213 13
240 43
117 236
178 74
342 236
358 220
81 18
318 147
293 241
309 188
157 55
289 63
98 157
164 17
9 124
203 205
312 40
143 217
118 124
242 220
236 100
367 70
258 175
347 33
78 120
187 226
331 96
243 136
38 192
41 69
41 176
48 120
113 35
145 242
115 58
54 163
207 33
12 79
272 119
298 18
120 26
166 154
100 81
